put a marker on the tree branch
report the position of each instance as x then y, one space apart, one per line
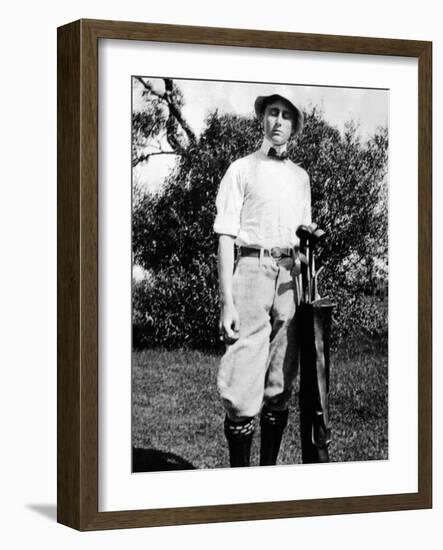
145 158
174 109
149 88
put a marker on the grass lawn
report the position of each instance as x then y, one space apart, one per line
177 417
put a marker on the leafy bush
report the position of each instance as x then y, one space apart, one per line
179 308
358 315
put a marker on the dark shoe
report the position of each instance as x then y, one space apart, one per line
239 436
272 425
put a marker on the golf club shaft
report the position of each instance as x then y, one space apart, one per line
313 278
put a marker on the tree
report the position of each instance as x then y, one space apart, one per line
349 197
160 122
173 231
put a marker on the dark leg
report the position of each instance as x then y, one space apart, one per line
272 425
239 436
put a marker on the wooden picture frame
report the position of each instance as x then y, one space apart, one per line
77 454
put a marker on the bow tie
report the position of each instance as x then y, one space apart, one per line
273 154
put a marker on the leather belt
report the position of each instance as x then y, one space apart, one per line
275 252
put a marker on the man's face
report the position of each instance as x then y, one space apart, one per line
278 120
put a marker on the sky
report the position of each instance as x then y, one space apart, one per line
368 107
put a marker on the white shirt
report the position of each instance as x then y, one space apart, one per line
261 201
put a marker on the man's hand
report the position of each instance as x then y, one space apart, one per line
229 325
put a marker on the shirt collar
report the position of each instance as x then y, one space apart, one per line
267 144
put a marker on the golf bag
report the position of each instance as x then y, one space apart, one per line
314 322
314 326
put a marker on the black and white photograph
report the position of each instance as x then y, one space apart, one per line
260 274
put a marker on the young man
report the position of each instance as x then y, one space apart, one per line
262 199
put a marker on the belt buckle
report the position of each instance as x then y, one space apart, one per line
276 253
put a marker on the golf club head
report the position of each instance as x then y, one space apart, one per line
303 232
312 227
317 236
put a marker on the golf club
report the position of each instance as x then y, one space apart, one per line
316 236
303 233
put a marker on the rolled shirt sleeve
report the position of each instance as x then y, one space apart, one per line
229 202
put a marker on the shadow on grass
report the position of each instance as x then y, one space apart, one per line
151 460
